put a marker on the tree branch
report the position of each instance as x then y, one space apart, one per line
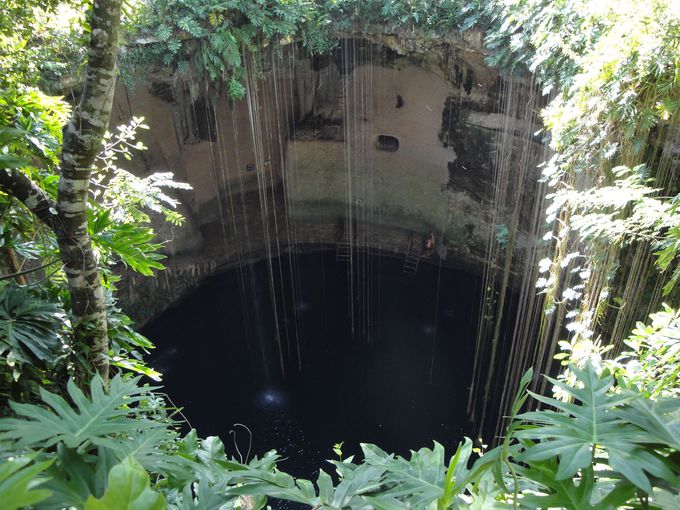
17 184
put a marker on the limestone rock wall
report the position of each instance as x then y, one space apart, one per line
388 138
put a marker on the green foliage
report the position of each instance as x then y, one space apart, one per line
430 16
566 449
337 449
653 363
128 489
610 447
649 367
616 214
583 429
550 491
119 216
502 234
423 479
29 327
658 419
18 482
89 436
127 345
668 247
30 138
612 70
130 243
33 350
42 43
93 420
126 197
119 213
74 477
31 123
212 35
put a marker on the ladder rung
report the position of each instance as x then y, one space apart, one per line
343 252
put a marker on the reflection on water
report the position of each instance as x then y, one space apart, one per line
272 399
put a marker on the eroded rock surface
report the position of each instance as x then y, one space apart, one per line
388 138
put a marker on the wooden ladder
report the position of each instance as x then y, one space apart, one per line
412 258
343 251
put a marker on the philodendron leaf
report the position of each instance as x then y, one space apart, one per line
18 482
666 499
128 489
93 419
659 419
325 485
203 496
418 481
74 477
593 420
29 327
484 494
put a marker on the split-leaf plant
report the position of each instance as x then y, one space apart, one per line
609 445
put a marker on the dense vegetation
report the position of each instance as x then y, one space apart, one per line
74 436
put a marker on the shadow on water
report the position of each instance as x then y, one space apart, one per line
220 361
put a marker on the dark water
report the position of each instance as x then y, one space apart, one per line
218 353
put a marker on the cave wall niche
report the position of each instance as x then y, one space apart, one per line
387 143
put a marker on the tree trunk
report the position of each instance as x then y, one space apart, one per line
82 142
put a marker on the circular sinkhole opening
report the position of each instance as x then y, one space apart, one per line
371 353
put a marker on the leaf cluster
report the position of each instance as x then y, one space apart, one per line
205 40
34 350
42 44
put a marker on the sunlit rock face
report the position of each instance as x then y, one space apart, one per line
387 139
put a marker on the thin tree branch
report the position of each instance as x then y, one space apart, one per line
28 271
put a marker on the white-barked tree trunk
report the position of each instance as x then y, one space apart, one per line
82 142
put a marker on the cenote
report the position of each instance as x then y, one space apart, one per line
383 358
397 255
359 254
